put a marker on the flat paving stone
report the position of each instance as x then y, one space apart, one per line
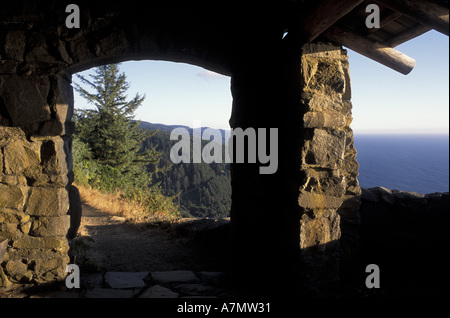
174 277
197 289
125 280
158 292
109 293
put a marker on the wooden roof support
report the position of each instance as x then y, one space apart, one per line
387 16
419 29
426 12
324 15
371 49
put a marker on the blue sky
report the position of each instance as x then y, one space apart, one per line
384 101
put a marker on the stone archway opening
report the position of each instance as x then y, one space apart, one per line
133 245
316 169
303 91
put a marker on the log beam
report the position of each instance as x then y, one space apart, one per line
371 49
426 12
324 15
419 29
387 17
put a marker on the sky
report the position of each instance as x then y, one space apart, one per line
384 101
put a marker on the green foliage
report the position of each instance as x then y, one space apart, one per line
79 249
153 199
107 145
204 190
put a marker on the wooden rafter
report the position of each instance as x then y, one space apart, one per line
324 15
426 12
419 29
371 49
401 21
387 17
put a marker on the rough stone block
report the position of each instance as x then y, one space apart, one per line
323 120
21 157
39 53
48 202
62 105
4 281
47 181
314 201
3 247
325 77
13 216
12 197
9 133
319 229
26 99
322 50
18 271
325 182
53 156
51 267
8 67
42 243
113 43
326 149
323 102
11 180
10 231
50 226
15 45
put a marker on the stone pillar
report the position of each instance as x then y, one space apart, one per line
287 226
265 214
329 194
35 174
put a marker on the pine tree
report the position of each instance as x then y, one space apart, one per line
110 131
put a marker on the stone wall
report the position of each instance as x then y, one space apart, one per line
406 235
329 194
35 174
308 204
311 208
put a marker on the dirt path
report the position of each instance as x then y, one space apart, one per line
122 246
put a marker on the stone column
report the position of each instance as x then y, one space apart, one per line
35 174
265 213
286 226
329 194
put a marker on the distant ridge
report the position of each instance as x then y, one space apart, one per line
168 128
201 189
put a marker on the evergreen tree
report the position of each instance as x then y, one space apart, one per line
109 131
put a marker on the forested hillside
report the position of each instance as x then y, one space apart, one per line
113 153
204 189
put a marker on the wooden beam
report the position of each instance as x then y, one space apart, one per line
387 16
324 15
409 34
426 12
373 50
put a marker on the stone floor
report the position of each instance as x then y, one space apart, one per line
169 284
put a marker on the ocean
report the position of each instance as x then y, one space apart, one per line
417 163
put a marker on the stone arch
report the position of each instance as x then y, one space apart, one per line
302 91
